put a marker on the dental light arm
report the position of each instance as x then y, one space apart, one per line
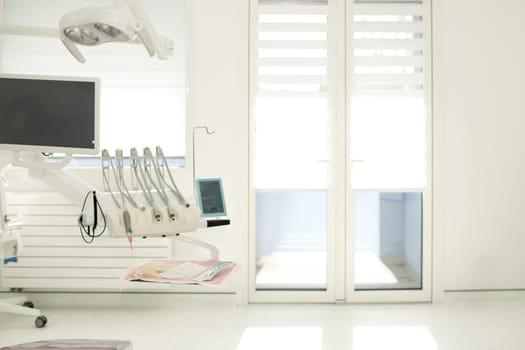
155 44
42 32
124 21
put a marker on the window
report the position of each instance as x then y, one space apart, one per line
388 96
291 144
388 142
291 115
143 98
341 150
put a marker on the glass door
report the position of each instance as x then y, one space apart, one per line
340 151
389 150
290 151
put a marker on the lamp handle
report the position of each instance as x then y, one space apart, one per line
149 36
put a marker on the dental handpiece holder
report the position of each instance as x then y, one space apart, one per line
144 200
144 222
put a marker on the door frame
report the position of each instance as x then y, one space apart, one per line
340 262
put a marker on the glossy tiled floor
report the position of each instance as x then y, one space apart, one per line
492 320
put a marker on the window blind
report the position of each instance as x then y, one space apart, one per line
388 103
388 47
291 97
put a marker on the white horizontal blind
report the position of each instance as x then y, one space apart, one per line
388 48
388 107
54 255
143 98
291 75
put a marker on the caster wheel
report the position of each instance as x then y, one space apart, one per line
28 304
40 321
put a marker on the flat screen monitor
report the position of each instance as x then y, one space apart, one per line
211 197
49 114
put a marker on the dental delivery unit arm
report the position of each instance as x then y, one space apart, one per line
146 203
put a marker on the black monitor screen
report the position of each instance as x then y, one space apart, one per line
39 112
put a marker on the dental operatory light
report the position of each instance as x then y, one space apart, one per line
124 21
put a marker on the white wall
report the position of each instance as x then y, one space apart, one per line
218 97
479 72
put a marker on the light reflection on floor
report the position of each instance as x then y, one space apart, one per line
393 338
281 338
364 338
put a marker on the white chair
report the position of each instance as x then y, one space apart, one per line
21 305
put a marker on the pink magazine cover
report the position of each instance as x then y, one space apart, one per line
152 270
